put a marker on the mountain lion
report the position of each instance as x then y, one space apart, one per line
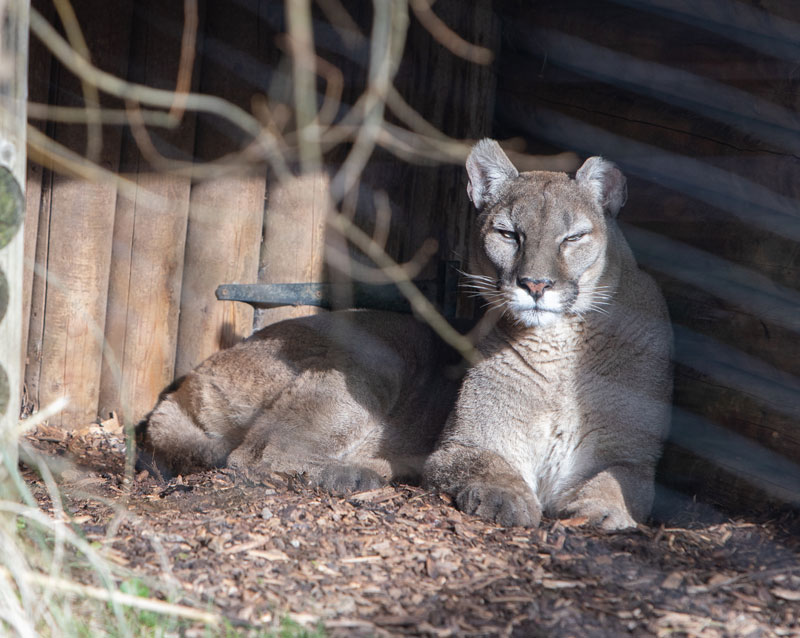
565 413
351 399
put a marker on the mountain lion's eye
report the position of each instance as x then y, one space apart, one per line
508 234
575 237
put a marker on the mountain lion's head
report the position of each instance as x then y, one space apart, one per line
540 250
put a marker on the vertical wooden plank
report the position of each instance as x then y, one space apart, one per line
222 246
294 240
226 212
76 239
37 178
149 235
33 197
13 89
40 208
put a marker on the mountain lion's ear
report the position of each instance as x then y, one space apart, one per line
606 183
488 168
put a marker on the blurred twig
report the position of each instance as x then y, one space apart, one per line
447 37
81 115
183 83
389 26
118 598
419 303
155 97
301 44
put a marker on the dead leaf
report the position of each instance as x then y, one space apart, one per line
673 581
243 547
577 521
375 496
112 425
360 559
270 554
786 594
304 619
384 549
717 580
548 583
90 480
72 476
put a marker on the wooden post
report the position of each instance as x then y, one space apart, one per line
13 92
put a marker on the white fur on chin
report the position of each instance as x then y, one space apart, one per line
530 314
536 318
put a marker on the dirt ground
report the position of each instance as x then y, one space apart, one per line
399 561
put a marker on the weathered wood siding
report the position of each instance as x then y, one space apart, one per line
74 239
122 287
698 103
144 293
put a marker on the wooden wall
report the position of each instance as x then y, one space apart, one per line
122 287
698 103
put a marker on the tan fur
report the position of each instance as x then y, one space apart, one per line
567 412
349 398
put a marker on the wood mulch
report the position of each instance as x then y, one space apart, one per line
400 561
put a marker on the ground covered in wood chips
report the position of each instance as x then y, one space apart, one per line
400 561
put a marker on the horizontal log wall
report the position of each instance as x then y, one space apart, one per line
697 102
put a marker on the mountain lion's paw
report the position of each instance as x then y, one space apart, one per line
605 516
343 479
507 507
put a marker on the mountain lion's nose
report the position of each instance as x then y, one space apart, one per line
535 286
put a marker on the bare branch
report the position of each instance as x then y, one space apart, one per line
156 97
419 303
340 18
81 115
301 41
334 85
447 37
183 83
389 26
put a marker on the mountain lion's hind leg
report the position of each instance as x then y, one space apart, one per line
334 443
169 442
613 499
320 469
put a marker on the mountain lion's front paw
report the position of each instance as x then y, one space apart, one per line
507 507
343 479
